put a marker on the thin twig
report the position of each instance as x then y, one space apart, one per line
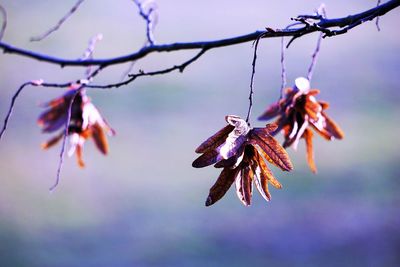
377 18
59 24
132 77
150 17
283 67
64 142
67 124
10 110
323 25
283 63
4 24
91 46
88 54
321 12
253 72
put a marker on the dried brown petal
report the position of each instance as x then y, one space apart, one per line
233 161
271 112
222 185
308 135
324 104
332 127
206 159
79 150
261 183
312 108
244 186
273 149
99 138
215 140
327 128
260 178
266 173
313 92
228 149
52 141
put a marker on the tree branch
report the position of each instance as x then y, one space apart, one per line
4 24
320 24
59 23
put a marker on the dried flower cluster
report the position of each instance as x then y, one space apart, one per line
298 112
241 151
85 122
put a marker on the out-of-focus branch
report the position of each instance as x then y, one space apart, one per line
59 24
311 24
147 10
4 24
88 54
377 18
320 12
132 77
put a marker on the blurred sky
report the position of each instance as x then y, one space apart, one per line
143 205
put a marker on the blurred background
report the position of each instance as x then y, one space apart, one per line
143 204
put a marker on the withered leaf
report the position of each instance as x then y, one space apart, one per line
271 112
324 104
332 127
221 186
215 140
233 161
52 141
244 186
99 138
273 149
266 173
308 135
79 158
208 158
312 108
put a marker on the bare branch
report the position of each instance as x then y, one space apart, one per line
253 72
64 141
4 24
320 12
88 54
323 25
81 86
150 16
59 24
141 73
377 18
10 110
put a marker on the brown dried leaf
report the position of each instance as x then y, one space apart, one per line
266 173
308 135
260 178
215 140
261 183
208 158
79 152
273 149
312 108
329 129
233 161
313 92
272 111
324 104
99 138
244 186
222 185
332 127
52 141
